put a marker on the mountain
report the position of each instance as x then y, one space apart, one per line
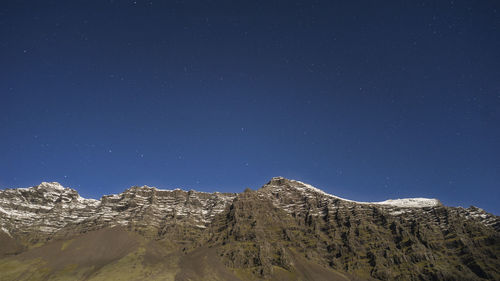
286 230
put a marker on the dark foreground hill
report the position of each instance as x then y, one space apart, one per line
286 230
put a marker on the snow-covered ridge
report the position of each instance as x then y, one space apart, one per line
55 190
49 207
410 202
402 203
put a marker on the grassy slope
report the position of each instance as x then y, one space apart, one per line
106 254
117 254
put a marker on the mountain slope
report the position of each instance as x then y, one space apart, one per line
286 230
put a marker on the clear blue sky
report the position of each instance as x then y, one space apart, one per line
367 100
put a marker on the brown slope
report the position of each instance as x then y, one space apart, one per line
8 245
203 264
96 255
96 248
252 238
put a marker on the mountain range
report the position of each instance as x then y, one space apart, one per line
285 230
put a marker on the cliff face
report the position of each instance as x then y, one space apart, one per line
49 210
286 230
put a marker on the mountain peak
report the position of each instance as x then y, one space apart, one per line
51 186
278 181
252 228
309 189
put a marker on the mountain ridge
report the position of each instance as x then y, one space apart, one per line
399 201
277 232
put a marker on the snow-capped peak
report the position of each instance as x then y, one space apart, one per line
51 185
403 203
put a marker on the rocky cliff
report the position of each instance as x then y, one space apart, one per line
286 230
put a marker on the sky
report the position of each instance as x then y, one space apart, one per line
367 100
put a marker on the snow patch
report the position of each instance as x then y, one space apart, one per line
52 185
397 213
6 231
5 212
317 190
410 202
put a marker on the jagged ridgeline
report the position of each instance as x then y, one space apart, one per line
286 230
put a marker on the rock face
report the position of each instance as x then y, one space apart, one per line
49 208
286 230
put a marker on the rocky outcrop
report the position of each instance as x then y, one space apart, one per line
424 241
52 210
283 229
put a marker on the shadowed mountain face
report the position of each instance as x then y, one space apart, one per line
286 230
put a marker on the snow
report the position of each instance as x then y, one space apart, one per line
317 190
5 212
6 231
84 202
402 203
397 213
48 229
17 213
58 205
410 202
52 185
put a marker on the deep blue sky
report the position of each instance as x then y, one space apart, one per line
367 100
